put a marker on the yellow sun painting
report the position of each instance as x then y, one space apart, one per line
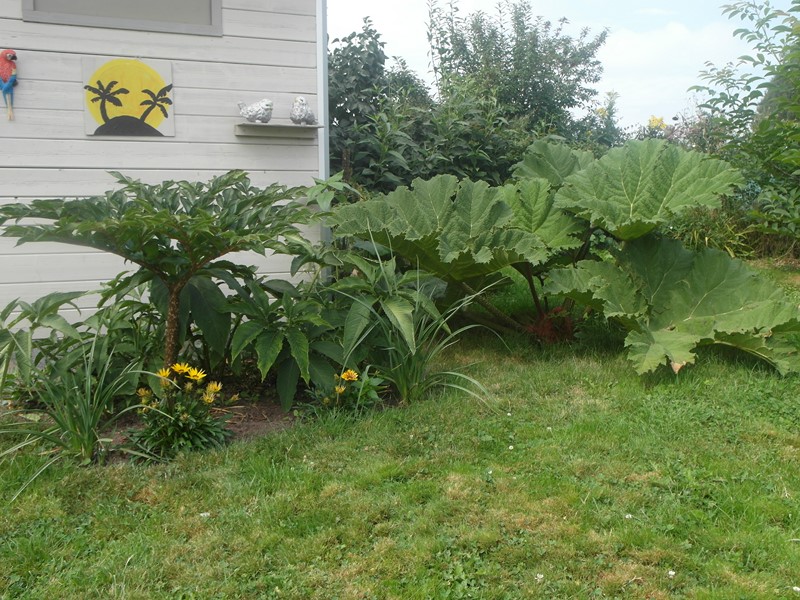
128 97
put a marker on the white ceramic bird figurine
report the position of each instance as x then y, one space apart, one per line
258 112
301 112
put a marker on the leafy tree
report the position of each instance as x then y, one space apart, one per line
356 87
755 101
536 71
599 130
387 130
751 118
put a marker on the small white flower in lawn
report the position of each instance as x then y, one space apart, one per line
511 447
549 429
670 573
205 515
539 578
796 589
508 414
629 516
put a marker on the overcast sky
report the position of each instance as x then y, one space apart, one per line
654 52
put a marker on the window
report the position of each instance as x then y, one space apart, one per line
202 17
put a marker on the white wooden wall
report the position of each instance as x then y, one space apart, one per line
269 49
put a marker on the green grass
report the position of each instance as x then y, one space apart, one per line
576 479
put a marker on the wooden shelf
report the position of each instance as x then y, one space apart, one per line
276 130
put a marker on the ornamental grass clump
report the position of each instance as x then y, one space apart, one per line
179 413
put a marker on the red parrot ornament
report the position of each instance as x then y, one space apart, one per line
8 79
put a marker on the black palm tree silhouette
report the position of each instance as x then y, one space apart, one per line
159 101
105 94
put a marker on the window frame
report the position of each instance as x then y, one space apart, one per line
31 13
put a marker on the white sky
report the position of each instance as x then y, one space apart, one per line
653 54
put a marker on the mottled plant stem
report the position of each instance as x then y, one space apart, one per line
491 308
173 319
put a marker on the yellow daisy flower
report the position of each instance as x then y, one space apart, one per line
196 374
181 368
350 375
339 389
144 393
213 387
163 375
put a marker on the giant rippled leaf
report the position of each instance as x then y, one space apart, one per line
463 230
633 189
673 300
532 205
553 162
476 210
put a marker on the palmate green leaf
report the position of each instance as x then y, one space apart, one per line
167 228
532 205
552 162
426 210
705 292
647 349
673 301
476 210
633 189
601 285
779 348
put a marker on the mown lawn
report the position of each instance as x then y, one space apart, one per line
576 479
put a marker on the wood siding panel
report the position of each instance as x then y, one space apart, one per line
46 183
44 37
40 268
38 96
62 267
50 66
291 7
136 154
68 125
13 8
271 25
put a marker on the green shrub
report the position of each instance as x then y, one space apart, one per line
176 232
719 228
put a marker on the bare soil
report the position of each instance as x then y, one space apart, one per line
253 420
